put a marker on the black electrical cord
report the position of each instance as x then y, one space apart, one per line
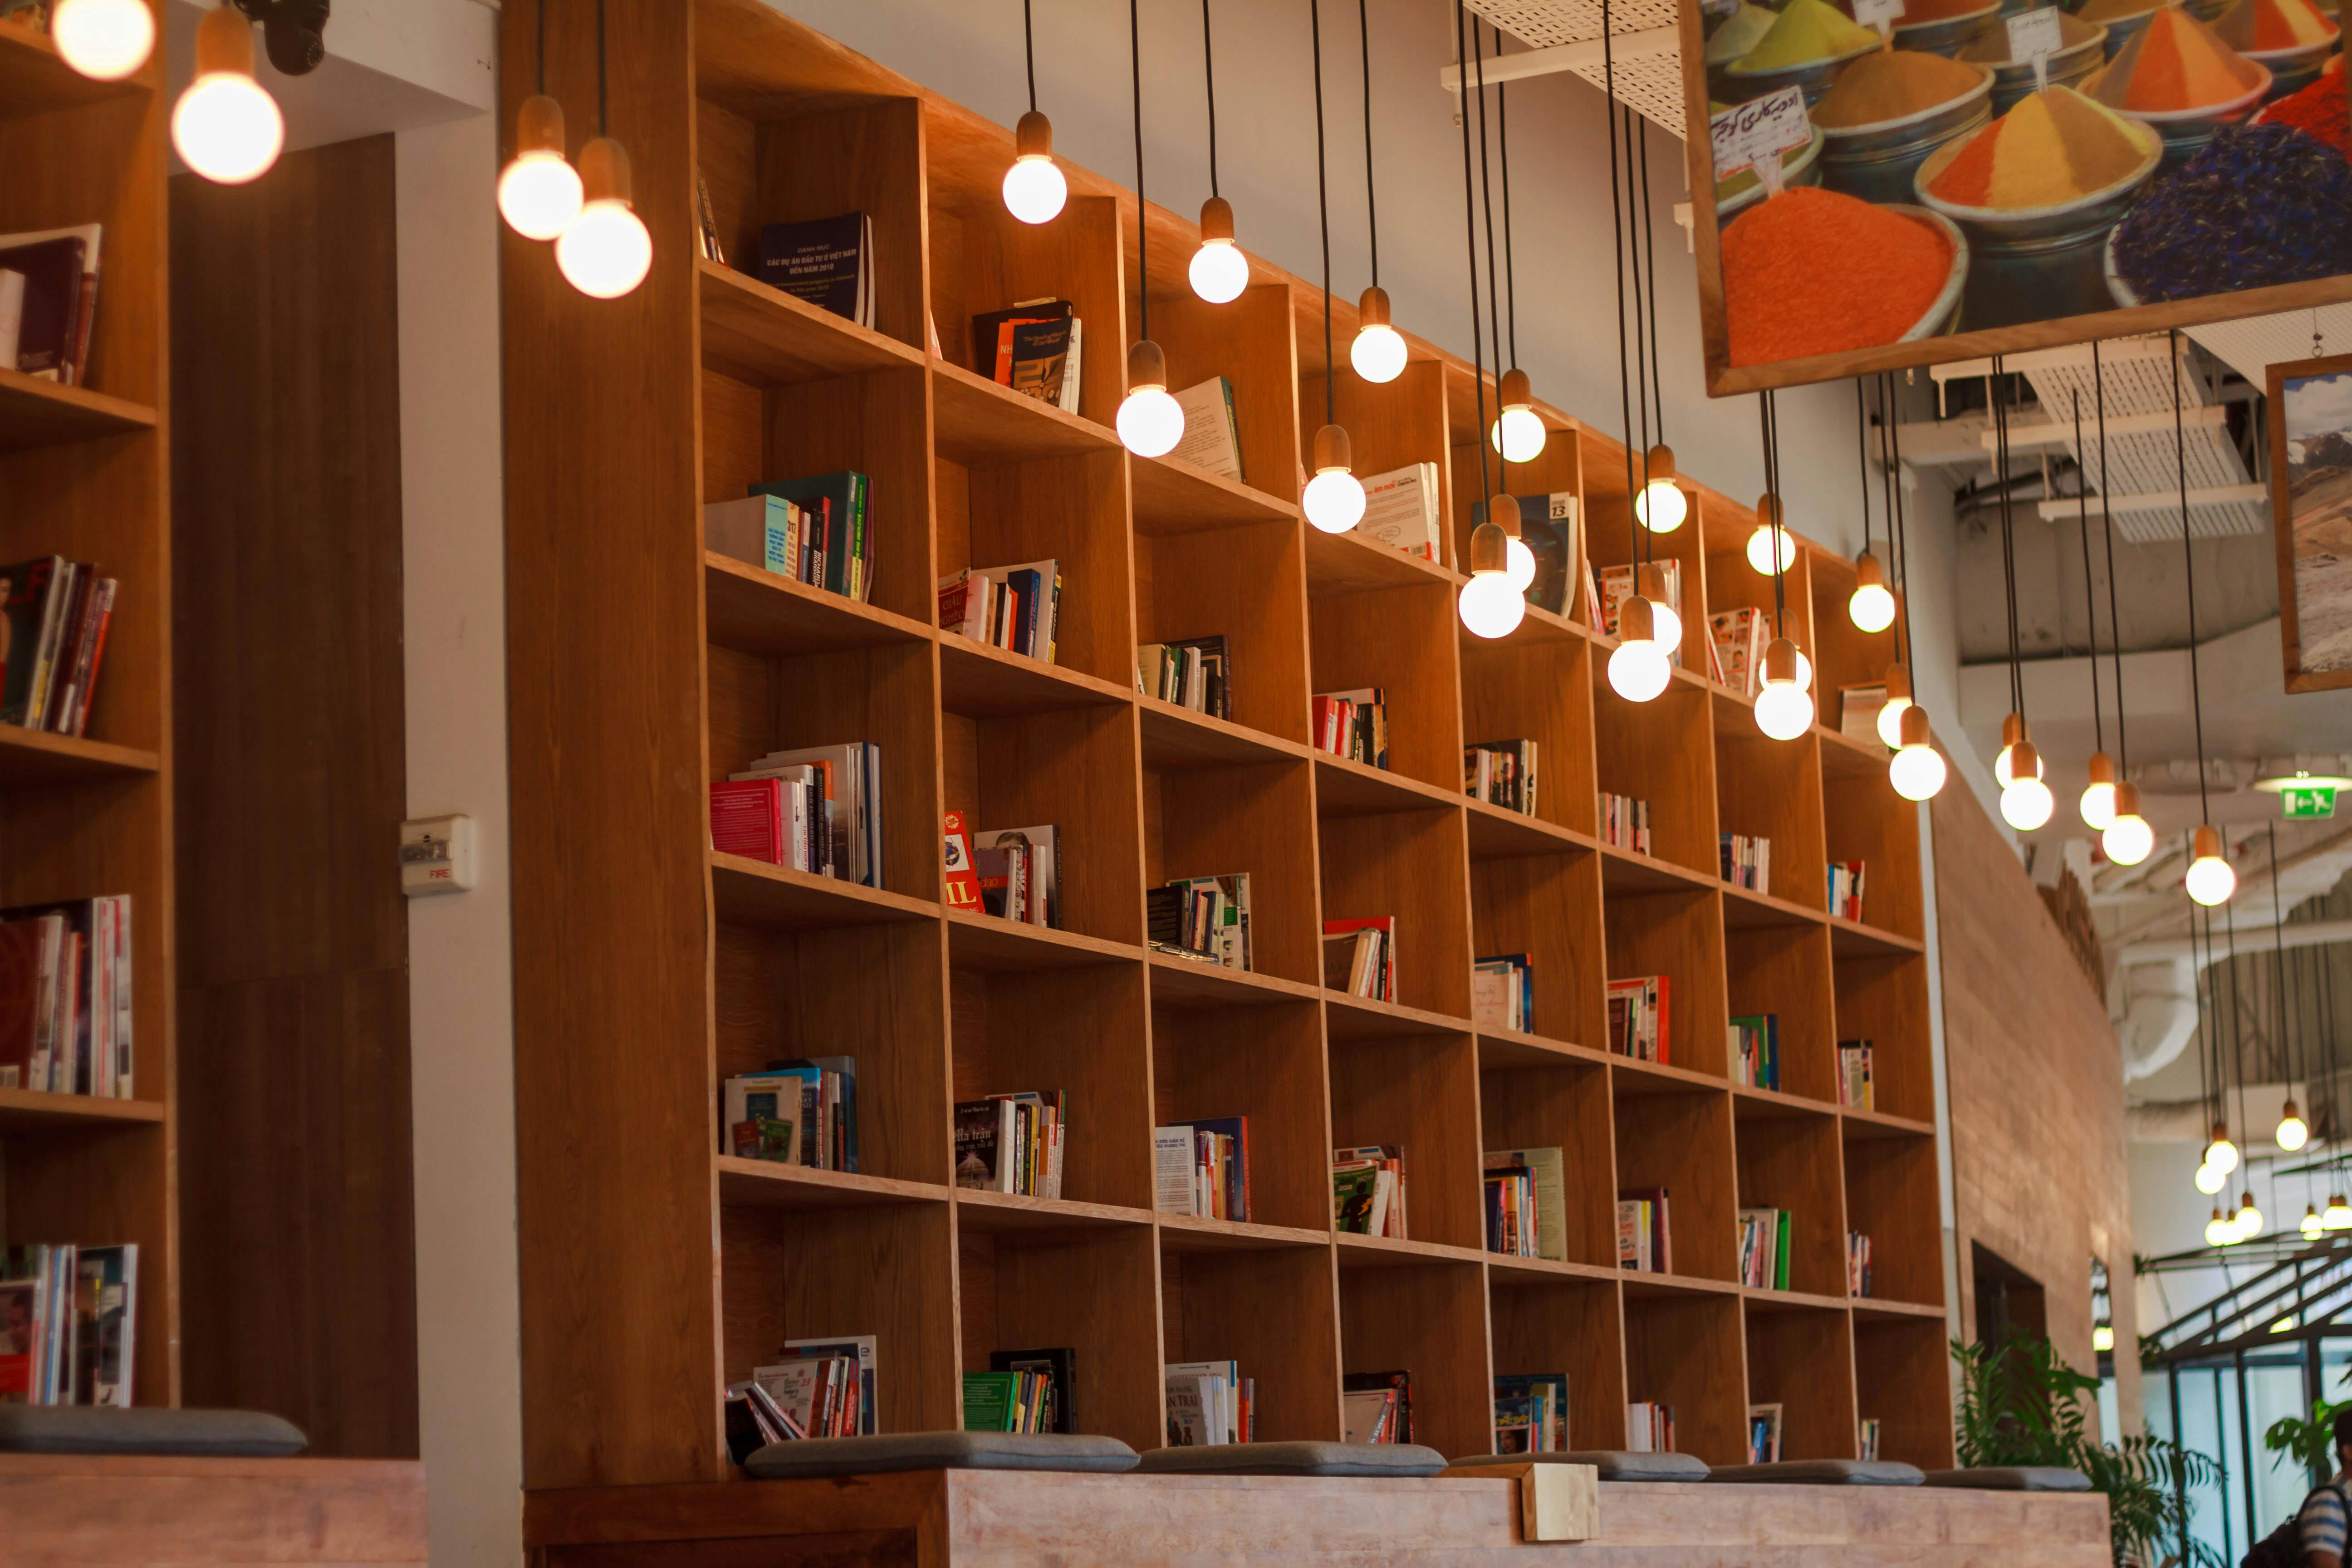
2107 521
2090 590
542 47
601 127
1323 212
2008 539
1649 228
1772 487
1641 364
1486 205
1503 154
1372 215
1617 232
2188 572
1470 226
2278 965
1209 75
1901 533
1142 271
1029 53
1861 448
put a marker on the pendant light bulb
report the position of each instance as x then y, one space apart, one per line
1898 701
2312 1224
225 127
1149 422
2098 804
604 252
2026 802
1917 768
1034 189
2210 880
1661 506
1784 709
2293 1132
2220 1153
2103 1337
1489 606
1218 271
1638 669
106 40
539 189
2211 1181
1759 549
2250 1218
1334 502
1517 431
1379 352
2131 840
2221 1231
2338 1214
1872 604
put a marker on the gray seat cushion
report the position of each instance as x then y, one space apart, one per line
1295 1459
147 1429
881 1451
2014 1479
1823 1473
1614 1464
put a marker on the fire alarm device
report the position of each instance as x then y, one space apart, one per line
437 856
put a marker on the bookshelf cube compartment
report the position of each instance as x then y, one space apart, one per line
1558 470
1789 1159
1410 865
1389 426
1801 1359
1733 585
1678 935
1088 1288
1903 1373
1217 821
1247 341
1784 971
1572 1326
1661 751
1685 1350
1419 1092
1539 692
1270 1308
1772 790
1883 1000
1400 641
1071 510
874 993
1426 1318
1890 1196
1867 821
887 1270
1079 1030
1567 1107
1072 769
1847 656
1613 539
1264 1063
1548 906
1247 585
985 259
1680 1140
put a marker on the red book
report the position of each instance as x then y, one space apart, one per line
747 818
962 883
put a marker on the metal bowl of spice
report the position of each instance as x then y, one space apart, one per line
2262 206
2082 50
1811 43
2290 36
1798 167
2180 78
1889 112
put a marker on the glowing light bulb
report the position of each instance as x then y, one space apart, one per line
1917 768
1638 669
2211 1181
1490 606
2293 1132
1519 431
1379 351
2219 1232
538 195
1871 606
1034 189
2338 1216
1784 709
1898 701
2103 1337
1760 550
1334 499
1522 569
2130 840
225 127
106 40
2027 804
2220 1153
1218 271
1665 625
2250 1218
2210 880
2098 806
2312 1224
1661 506
1149 422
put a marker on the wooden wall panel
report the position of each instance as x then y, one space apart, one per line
295 1157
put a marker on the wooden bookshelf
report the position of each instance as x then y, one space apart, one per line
83 474
648 969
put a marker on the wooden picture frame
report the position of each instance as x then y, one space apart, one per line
1726 380
2326 625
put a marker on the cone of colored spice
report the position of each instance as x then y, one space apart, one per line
1806 31
2176 64
2273 26
1741 31
2258 204
1893 84
2318 110
2052 147
1993 49
1811 271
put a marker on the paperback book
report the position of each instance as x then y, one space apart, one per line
1503 993
1755 1050
826 1386
1402 509
1739 637
1011 1143
1055 1367
54 618
1845 889
1209 1403
1857 1264
830 544
1746 862
1637 1016
1617 584
828 262
827 819
1501 772
1547 527
1212 434
1019 873
65 988
963 882
1625 823
68 1320
1008 1401
1193 673
1643 1237
1527 1203
1377 1407
1650 1427
1018 608
1201 1168
1764 1236
1870 1427
1204 919
1359 957
1764 1434
1856 1087
1035 348
57 306
1531 1413
1368 1190
803 1112
1353 724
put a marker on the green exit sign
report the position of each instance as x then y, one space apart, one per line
2299 801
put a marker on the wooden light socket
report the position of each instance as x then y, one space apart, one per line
1332 449
2103 768
1868 572
1503 511
1781 662
2126 799
1767 510
1490 548
1650 582
224 43
539 126
1372 308
1216 220
605 172
2024 761
1658 463
1033 136
1913 722
1146 366
1514 390
2205 844
1898 683
1635 623
2012 730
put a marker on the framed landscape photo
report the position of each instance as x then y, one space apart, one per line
1949 179
2311 498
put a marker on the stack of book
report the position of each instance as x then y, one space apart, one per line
1756 1050
1359 957
1203 919
1616 584
817 809
1011 1143
1637 1016
1856 1086
1037 348
1764 1434
1503 993
1845 889
826 261
1868 1435
48 301
1527 1203
1738 639
754 1420
1764 1248
1018 608
1212 431
69 1317
1747 862
1857 1263
1626 822
1531 1413
1192 674
1055 1388
1401 509
65 997
1650 1427
1353 724
1008 1401
1018 874
1368 1190
54 616
1643 1240
797 1112
1501 772
1375 1406
826 1387
1858 708
1209 1403
1201 1168
812 530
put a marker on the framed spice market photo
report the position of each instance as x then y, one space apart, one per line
2311 497
1888 183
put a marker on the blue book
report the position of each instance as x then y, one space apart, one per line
826 261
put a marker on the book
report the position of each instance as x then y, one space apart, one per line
842 792
1359 957
68 1315
1744 862
1192 673
1389 1407
849 1383
1209 1402
1201 1168
1740 638
59 301
1856 1083
54 616
962 882
1764 1241
1368 1190
1501 772
1857 1264
1858 709
1549 527
1754 1048
1019 873
1018 608
1402 509
706 222
1203 919
764 1118
1637 1016
1617 583
798 1111
66 976
1643 1231
763 531
1845 889
1007 1402
1868 1435
1353 724
1650 1426
1531 1413
1625 823
1764 1434
12 315
1056 1382
838 551
1503 993
1011 1143
1033 347
1212 435
1538 1225
828 262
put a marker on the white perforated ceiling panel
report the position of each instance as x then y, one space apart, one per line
1650 82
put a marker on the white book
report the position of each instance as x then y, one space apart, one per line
12 315
1172 1187
1401 510
1212 438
